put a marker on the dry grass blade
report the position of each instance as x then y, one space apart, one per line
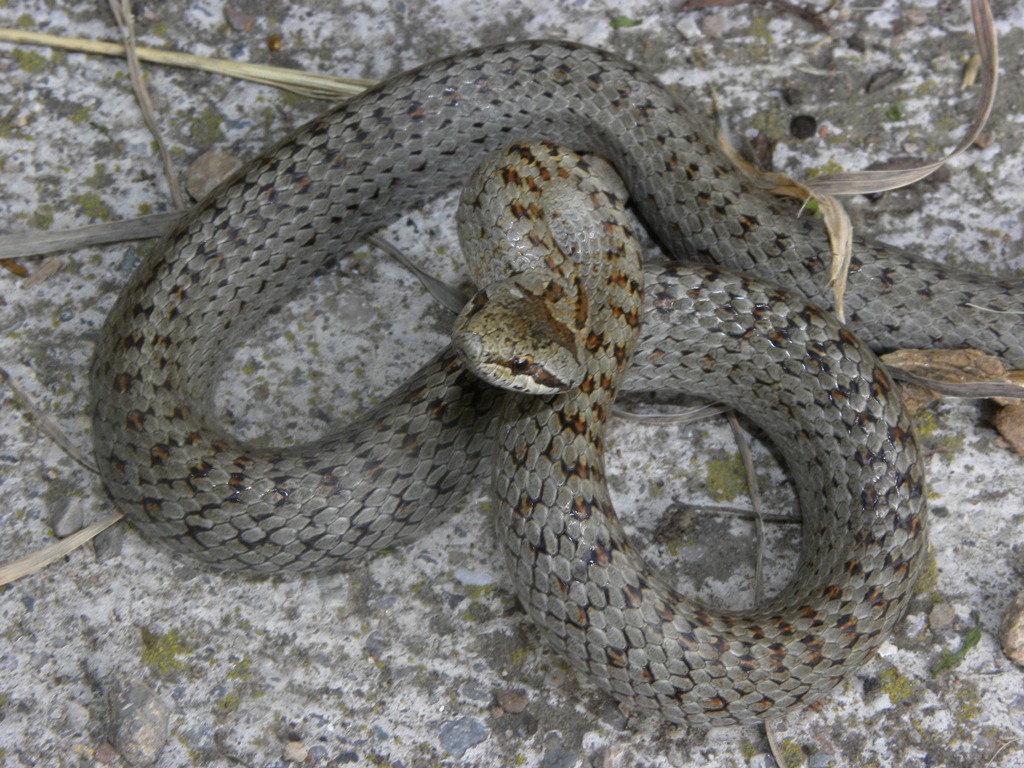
40 243
122 11
686 415
447 296
755 502
303 83
823 189
773 745
725 511
872 182
43 557
837 223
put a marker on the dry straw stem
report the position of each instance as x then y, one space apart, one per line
305 84
823 189
48 554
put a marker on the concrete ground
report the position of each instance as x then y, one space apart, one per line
421 657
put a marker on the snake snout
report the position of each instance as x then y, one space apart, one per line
499 338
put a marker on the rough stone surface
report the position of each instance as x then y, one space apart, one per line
139 720
209 170
253 665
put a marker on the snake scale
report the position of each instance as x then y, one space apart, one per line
187 483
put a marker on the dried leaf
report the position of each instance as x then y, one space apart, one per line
47 269
963 373
1009 422
16 269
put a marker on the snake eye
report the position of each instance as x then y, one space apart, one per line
521 363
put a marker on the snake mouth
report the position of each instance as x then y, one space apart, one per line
517 372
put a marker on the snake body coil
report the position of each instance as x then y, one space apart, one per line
254 243
822 395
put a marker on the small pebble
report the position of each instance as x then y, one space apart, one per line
511 702
67 516
521 726
687 27
318 752
375 645
78 716
941 616
139 721
238 20
295 752
556 754
474 578
104 752
209 170
457 736
1011 630
714 25
107 544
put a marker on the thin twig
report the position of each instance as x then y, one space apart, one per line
747 514
122 11
755 503
29 244
46 424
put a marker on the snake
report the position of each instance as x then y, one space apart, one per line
717 322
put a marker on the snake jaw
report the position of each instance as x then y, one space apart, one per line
494 331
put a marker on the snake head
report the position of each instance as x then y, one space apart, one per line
508 337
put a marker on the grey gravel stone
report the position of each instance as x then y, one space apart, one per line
941 616
556 754
459 735
209 170
474 578
511 701
67 516
139 721
108 543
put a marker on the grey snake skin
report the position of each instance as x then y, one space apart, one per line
188 484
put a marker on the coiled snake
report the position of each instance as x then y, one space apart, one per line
187 483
